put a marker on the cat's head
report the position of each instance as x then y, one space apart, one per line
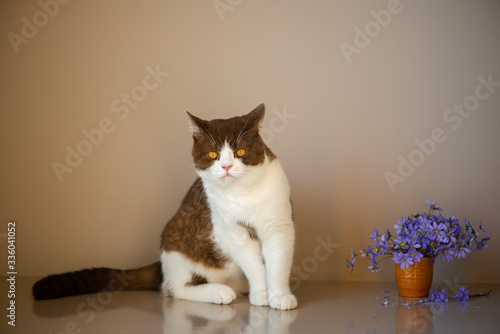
225 150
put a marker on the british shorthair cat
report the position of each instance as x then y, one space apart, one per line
233 232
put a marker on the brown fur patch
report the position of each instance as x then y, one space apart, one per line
270 154
251 231
145 278
197 280
189 232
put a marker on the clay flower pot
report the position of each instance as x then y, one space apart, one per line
416 280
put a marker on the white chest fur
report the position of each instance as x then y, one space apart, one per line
261 195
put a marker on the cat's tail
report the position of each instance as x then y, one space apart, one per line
97 280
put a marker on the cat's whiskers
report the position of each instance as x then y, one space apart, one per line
202 193
245 133
241 131
248 180
209 134
202 196
199 184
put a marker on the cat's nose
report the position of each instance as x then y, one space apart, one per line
227 168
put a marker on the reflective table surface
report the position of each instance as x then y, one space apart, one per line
324 307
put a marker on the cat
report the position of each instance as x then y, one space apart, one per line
232 234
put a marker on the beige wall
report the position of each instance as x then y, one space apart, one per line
343 109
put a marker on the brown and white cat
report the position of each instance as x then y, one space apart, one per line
235 222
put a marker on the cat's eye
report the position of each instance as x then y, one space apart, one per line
241 152
213 155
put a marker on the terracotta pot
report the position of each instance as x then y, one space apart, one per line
416 280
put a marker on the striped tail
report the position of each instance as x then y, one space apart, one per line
96 280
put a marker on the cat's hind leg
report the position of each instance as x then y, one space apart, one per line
208 292
182 279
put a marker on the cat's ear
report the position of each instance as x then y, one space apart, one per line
196 125
256 116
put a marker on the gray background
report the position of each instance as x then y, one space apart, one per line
349 92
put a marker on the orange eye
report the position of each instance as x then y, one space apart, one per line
241 152
213 155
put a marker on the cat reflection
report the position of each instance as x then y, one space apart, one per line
415 319
183 316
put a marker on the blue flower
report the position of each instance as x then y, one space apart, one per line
426 229
462 294
412 244
481 227
374 268
482 244
443 234
432 205
437 230
442 297
399 242
362 251
403 259
372 253
382 246
446 255
451 234
375 234
432 296
468 227
461 250
350 264
415 255
434 231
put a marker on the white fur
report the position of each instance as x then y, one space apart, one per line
178 270
259 197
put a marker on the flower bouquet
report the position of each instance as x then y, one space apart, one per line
425 235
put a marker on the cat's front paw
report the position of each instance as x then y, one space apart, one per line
258 298
283 302
222 294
